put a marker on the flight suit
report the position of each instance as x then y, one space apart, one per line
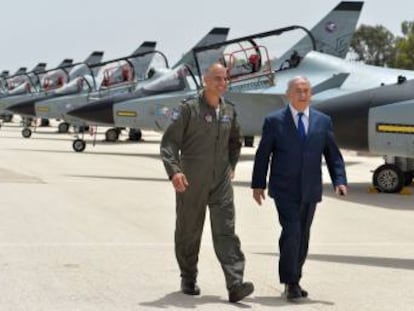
205 147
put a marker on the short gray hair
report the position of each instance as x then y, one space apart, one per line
294 79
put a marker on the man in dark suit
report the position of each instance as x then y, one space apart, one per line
294 140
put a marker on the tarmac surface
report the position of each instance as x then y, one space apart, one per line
94 231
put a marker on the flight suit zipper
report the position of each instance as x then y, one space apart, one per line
217 140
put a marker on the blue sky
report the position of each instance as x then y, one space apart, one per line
48 31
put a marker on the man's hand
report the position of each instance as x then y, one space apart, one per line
341 190
259 195
179 182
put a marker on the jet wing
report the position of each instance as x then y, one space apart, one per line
252 108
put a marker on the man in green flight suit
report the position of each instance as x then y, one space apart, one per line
200 150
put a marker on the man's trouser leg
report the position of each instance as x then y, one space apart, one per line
307 211
289 241
191 211
226 242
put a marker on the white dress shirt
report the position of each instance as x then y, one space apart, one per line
305 117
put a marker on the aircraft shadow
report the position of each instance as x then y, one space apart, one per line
34 137
7 129
179 300
111 143
383 262
144 155
147 179
358 193
68 137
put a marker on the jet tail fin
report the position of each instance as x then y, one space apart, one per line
65 63
20 71
146 46
142 63
217 34
39 68
333 34
4 74
94 58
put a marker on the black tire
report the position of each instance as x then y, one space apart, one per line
135 134
388 178
248 141
44 122
112 135
79 145
63 127
26 132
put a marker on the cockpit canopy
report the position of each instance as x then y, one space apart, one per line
54 79
178 79
114 74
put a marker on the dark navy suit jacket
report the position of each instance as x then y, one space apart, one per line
295 169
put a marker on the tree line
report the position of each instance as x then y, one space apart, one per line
376 45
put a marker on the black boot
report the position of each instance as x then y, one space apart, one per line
189 287
240 291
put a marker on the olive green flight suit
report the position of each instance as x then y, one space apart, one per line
205 147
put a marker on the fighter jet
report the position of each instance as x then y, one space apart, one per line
123 110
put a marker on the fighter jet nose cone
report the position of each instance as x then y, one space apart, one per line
26 108
97 112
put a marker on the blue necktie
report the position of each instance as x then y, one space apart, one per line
301 127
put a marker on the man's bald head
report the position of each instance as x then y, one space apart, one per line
215 80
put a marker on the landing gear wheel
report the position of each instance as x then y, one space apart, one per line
111 135
79 145
388 178
135 134
63 127
27 121
248 141
83 128
44 122
26 132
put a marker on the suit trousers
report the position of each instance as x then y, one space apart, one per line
295 219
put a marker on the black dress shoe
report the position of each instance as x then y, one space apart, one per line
240 291
293 292
189 287
303 292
